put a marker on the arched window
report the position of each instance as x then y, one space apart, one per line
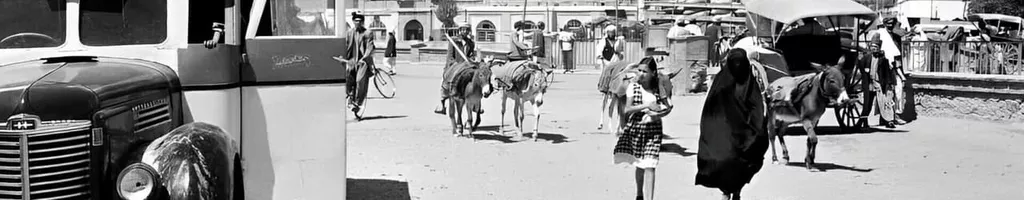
378 28
414 30
485 31
576 27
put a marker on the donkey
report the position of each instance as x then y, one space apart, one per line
617 94
469 87
522 82
810 94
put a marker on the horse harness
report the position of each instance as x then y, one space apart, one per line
519 71
803 88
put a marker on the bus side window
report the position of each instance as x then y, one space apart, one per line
302 17
201 16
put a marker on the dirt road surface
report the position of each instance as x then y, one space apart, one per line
405 151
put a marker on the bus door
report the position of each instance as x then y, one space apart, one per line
209 65
293 100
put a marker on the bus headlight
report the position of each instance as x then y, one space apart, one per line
137 182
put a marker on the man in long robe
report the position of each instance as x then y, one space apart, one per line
882 81
714 32
733 133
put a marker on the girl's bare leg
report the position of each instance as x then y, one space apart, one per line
648 184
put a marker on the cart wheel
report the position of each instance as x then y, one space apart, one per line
385 84
1012 60
854 114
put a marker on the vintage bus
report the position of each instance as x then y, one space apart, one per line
172 99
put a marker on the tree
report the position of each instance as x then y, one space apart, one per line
1006 7
445 12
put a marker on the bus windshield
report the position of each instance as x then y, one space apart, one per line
32 23
123 22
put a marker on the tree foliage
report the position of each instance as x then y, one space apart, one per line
445 12
1006 7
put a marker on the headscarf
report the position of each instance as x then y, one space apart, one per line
733 139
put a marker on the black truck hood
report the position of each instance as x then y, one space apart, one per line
69 88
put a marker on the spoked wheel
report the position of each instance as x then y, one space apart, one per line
385 84
1012 60
854 113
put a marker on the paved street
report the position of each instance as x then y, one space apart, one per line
405 151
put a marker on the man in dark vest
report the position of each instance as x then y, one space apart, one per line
465 43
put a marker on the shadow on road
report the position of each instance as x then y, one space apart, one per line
378 117
377 189
829 166
675 148
835 130
493 136
553 137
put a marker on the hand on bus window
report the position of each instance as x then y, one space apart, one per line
218 30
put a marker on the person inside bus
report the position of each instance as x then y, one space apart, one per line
360 57
465 43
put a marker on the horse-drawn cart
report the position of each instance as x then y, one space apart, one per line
805 70
768 21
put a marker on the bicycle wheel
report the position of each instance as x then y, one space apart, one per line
385 84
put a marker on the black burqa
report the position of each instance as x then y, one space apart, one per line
733 137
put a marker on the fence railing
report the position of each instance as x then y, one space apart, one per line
585 52
964 57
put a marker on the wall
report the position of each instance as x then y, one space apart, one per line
943 9
970 96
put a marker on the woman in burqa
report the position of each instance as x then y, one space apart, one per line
733 137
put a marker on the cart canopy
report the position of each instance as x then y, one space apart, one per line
789 11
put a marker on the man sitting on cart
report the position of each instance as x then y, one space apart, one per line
464 42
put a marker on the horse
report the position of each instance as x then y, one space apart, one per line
468 88
810 94
522 82
618 85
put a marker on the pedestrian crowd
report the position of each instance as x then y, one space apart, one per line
731 147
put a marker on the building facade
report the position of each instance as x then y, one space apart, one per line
490 23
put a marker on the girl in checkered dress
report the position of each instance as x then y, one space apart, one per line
640 142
